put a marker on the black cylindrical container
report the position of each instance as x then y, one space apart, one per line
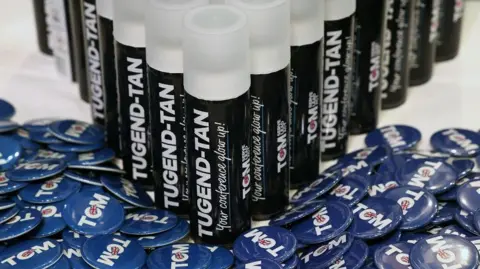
132 84
337 77
396 50
450 29
109 75
216 79
305 83
63 39
164 24
43 20
269 23
367 89
427 13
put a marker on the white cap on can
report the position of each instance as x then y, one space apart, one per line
339 9
129 22
164 27
105 8
215 53
269 24
307 22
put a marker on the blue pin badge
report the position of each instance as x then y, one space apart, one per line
74 257
31 254
7 214
8 186
10 152
171 236
355 257
391 238
372 155
324 255
35 170
468 196
466 220
148 222
7 110
350 190
291 263
393 256
50 191
73 239
323 184
180 255
79 148
457 231
127 190
38 125
8 126
297 213
222 258
381 184
44 154
44 137
463 166
52 223
396 137
94 158
260 263
445 212
84 176
25 221
451 195
456 142
77 132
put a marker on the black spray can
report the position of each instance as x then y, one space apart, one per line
43 21
164 24
216 79
337 77
396 50
427 14
108 74
270 68
367 89
450 29
307 19
132 85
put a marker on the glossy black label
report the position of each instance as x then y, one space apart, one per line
370 25
134 113
93 61
305 79
337 86
270 143
109 76
218 142
167 106
397 45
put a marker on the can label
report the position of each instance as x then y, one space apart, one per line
218 139
134 113
337 86
167 106
62 49
109 76
92 54
49 20
449 31
270 143
304 95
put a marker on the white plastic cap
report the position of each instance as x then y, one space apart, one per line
307 22
215 46
129 22
339 9
269 24
105 8
164 27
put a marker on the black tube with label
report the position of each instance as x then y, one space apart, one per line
366 92
43 19
109 75
337 77
131 66
397 46
450 29
427 13
63 41
216 79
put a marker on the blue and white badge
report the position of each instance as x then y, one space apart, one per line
7 214
45 154
391 238
451 195
44 137
35 170
171 236
8 126
52 223
297 213
79 148
6 203
83 176
10 152
433 229
268 242
350 190
476 221
148 222
457 231
466 220
127 190
106 167
413 238
475 241
74 257
393 256
50 191
24 139
434 175
444 251
38 125
8 186
259 263
456 142
373 155
25 221
291 263
468 196
180 256
382 183
445 212
324 255
222 258
61 264
113 251
94 158
329 222
323 184
354 258
31 254
375 217
88 187
463 166
93 213
7 110
418 205
73 239
397 137
77 132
